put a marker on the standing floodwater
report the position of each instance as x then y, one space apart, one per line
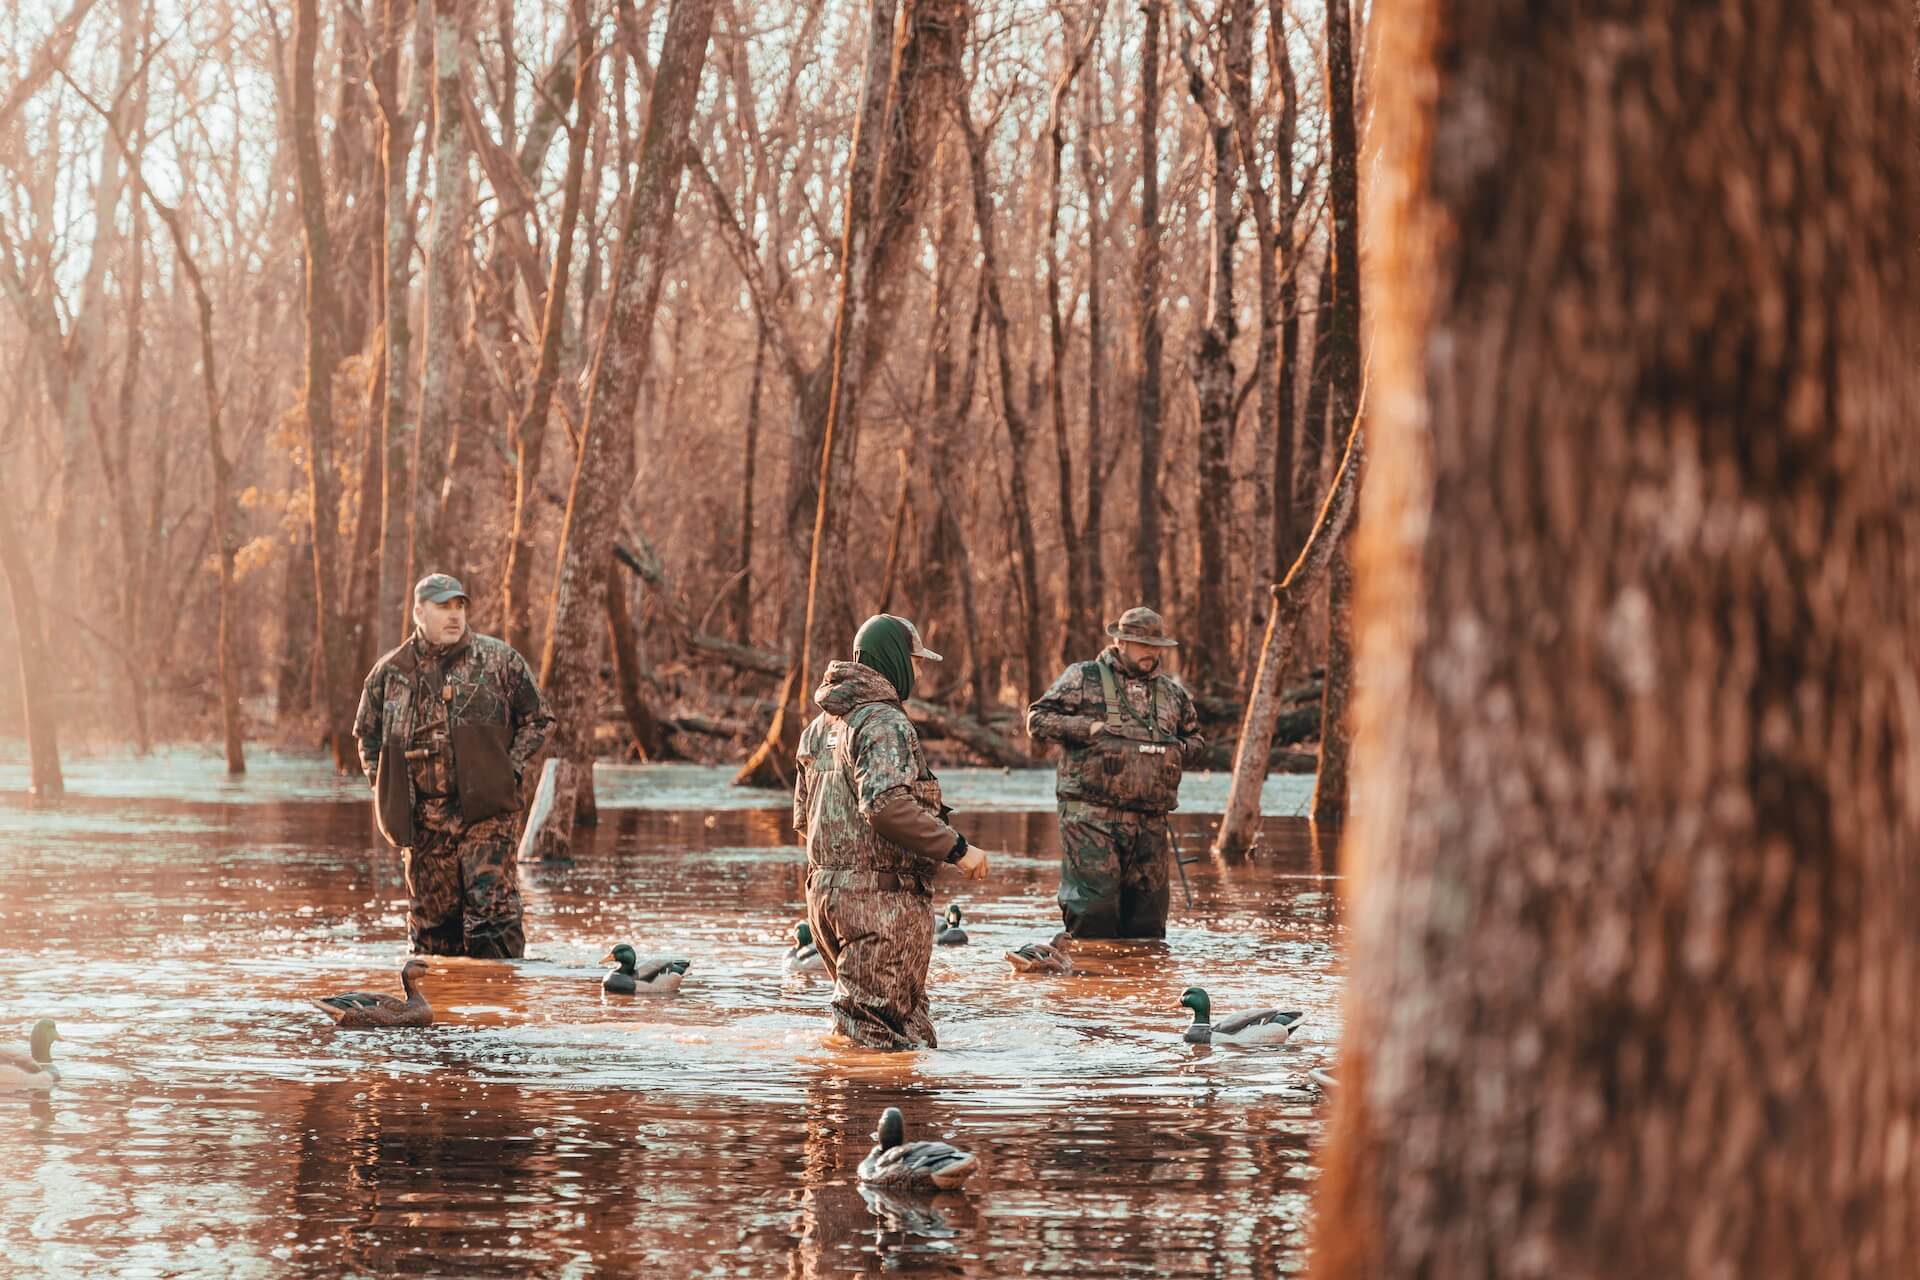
211 1121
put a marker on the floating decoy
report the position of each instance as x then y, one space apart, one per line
950 934
912 1166
1264 1026
660 977
803 956
33 1069
1041 957
364 1009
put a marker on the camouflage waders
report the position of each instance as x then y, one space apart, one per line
868 902
1114 869
875 932
1125 737
463 879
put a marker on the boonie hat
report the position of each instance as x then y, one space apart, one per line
1142 625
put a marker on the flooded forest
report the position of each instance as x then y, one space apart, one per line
1493 429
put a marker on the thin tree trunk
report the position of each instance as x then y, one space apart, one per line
392 613
440 369
1078 617
1088 634
530 434
743 588
33 656
1146 530
623 645
1208 656
605 470
1240 824
1011 412
1632 978
323 486
1313 418
1343 358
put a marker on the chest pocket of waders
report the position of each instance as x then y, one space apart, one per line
1138 761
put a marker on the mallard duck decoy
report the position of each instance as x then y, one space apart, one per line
803 956
950 934
660 977
912 1166
1041 957
1264 1026
33 1069
362 1009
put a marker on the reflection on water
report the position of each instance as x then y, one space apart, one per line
210 1122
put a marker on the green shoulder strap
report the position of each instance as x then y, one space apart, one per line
1117 706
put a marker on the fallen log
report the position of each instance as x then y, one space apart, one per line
744 656
710 726
970 733
1213 707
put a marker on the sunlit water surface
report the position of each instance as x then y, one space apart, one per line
211 1121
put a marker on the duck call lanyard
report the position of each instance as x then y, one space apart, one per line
1118 707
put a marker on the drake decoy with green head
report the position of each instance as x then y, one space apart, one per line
1264 1026
33 1069
659 977
366 1009
950 934
803 956
912 1166
1041 957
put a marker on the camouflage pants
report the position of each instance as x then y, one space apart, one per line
463 883
1114 865
877 943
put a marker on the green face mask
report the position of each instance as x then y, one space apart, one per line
883 644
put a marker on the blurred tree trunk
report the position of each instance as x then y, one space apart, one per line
623 645
1015 418
902 115
742 602
392 612
1208 655
605 470
1079 614
1088 632
34 656
447 253
1343 360
1146 528
1632 992
530 434
1291 598
335 682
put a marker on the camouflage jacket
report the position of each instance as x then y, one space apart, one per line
857 758
495 724
1152 730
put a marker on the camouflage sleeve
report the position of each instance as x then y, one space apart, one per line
1064 713
883 761
367 721
532 722
1191 741
803 781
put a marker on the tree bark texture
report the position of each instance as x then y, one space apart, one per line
36 668
1633 965
1240 825
447 256
530 433
1146 517
1343 368
392 612
605 470
337 698
1088 629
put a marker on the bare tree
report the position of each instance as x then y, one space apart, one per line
605 469
1146 539
1631 984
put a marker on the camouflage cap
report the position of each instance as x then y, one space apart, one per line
1142 625
439 588
920 649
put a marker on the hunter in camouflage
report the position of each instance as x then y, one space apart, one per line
869 809
1126 730
448 724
